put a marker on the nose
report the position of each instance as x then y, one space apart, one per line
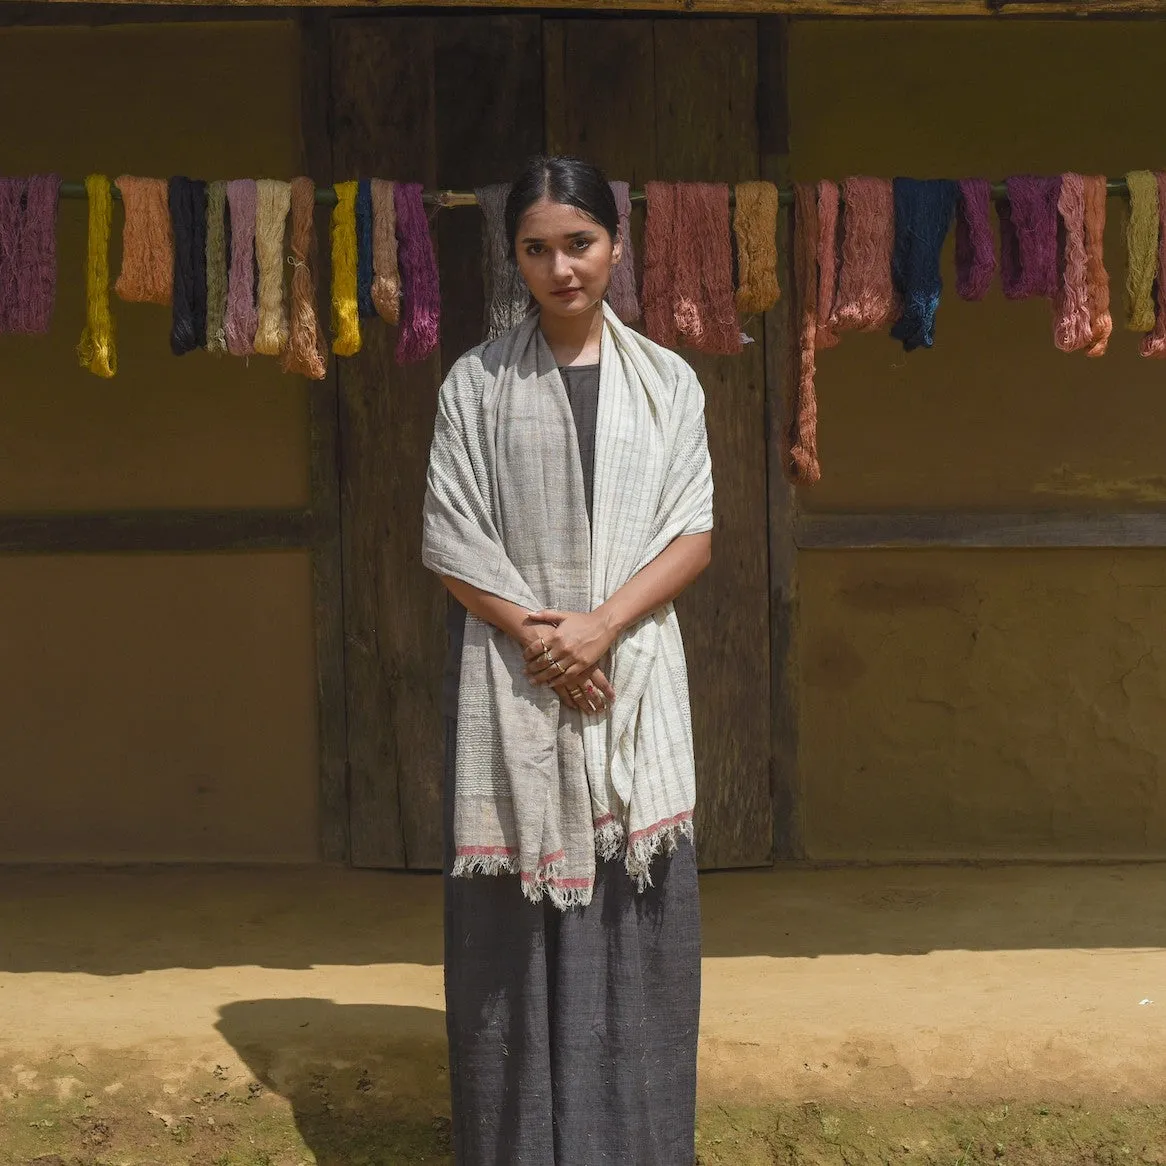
561 268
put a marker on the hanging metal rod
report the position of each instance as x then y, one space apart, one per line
326 196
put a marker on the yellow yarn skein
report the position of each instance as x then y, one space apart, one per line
346 339
97 350
1142 247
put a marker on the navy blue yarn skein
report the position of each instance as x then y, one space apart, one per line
923 215
365 307
187 199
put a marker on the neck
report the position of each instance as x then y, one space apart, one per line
575 340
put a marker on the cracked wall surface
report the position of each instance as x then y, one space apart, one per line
982 703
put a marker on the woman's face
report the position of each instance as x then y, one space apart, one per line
565 257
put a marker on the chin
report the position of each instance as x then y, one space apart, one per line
555 307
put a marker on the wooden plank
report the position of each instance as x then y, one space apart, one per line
601 99
323 418
785 773
1044 529
383 126
600 89
156 530
488 119
708 132
489 102
814 8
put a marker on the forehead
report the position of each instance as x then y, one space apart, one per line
548 220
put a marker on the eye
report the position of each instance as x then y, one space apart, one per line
534 249
582 244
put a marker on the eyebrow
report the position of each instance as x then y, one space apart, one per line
573 235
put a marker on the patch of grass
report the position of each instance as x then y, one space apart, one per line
329 1117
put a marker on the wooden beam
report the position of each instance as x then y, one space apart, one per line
107 532
27 13
785 773
1044 529
324 426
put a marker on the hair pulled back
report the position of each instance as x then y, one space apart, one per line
565 180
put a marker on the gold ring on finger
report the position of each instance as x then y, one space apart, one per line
562 670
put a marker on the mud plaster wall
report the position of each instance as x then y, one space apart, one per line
154 707
983 703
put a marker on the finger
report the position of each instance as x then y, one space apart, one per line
548 674
543 675
579 699
535 649
547 615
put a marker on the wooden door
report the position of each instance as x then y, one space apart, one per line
457 102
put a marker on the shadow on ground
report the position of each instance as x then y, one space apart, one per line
119 921
367 1084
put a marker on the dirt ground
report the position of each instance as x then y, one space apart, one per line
279 1017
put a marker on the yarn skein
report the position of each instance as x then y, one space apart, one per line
420 330
1100 321
346 338
28 253
12 194
975 253
188 224
801 426
1028 236
923 212
97 349
147 257
659 257
216 267
1071 325
305 352
242 314
755 229
828 216
865 298
506 294
1154 343
273 201
1142 247
386 278
364 304
622 292
706 317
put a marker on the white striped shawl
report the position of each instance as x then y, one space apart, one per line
541 789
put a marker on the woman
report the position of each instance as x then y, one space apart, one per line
569 502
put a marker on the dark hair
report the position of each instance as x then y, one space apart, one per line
569 181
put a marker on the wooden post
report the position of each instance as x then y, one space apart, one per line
773 129
324 505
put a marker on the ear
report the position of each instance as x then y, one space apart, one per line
616 253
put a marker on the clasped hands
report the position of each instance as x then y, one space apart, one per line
563 650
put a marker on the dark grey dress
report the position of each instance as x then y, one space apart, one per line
572 1035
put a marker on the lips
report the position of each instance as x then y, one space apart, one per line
564 293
